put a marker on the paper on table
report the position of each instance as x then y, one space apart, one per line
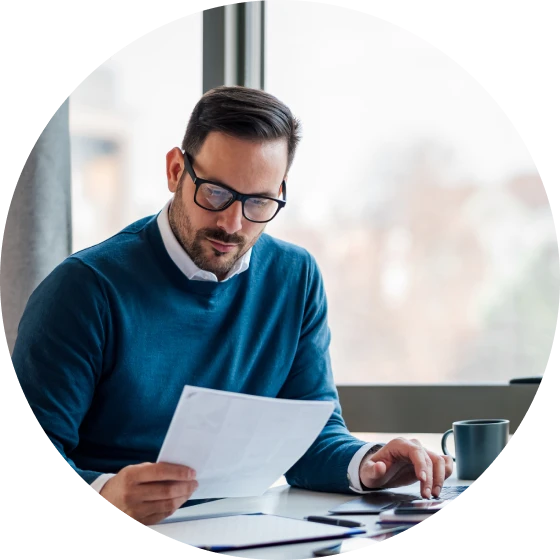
248 531
240 444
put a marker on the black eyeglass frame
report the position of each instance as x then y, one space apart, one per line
198 182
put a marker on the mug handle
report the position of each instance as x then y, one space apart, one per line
443 443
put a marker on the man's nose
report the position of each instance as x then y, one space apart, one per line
231 219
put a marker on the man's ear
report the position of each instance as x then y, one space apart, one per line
175 167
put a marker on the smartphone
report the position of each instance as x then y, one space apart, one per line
420 506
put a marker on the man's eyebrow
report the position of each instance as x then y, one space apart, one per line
264 193
212 179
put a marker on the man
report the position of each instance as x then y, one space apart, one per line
196 295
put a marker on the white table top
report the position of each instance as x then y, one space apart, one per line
286 501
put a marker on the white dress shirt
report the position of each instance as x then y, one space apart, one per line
185 264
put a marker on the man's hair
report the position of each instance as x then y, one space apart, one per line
245 113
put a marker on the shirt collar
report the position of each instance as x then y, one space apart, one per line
182 259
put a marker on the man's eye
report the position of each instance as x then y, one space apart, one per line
259 202
214 196
216 193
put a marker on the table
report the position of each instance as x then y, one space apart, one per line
282 499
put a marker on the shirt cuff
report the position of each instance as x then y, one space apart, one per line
100 481
354 468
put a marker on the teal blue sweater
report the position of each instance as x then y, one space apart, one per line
111 336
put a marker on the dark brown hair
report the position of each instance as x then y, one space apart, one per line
246 113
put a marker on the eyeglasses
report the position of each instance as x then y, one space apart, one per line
215 197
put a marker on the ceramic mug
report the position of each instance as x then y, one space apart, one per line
477 444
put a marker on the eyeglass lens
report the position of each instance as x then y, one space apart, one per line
213 197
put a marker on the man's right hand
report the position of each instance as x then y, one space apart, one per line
150 492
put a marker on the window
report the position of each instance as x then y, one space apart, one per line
419 200
124 118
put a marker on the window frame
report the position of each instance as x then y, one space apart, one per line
233 54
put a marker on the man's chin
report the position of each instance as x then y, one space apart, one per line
220 263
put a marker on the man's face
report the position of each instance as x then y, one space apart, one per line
216 240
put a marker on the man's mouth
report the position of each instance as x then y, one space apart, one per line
222 247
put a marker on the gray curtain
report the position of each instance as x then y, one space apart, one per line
38 227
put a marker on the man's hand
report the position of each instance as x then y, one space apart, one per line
150 492
401 462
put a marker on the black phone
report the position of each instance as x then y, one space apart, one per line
420 506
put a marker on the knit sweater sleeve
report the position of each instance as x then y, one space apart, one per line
324 467
58 354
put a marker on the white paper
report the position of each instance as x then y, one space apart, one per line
239 445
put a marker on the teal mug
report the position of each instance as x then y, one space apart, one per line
477 444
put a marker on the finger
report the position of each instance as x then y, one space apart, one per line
153 491
418 456
152 472
373 473
438 473
398 475
155 518
145 509
449 465
375 469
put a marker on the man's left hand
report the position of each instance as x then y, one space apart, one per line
401 462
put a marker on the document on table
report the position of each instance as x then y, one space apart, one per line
239 445
249 531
